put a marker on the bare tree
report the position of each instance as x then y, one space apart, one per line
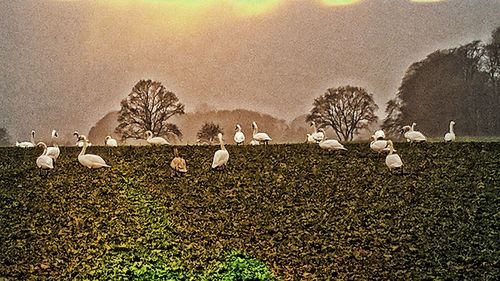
346 109
209 131
147 108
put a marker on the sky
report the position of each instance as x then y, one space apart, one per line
67 63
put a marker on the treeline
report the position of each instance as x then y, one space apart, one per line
460 84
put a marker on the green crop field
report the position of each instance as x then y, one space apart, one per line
285 212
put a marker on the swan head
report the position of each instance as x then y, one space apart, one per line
414 124
107 138
312 124
452 123
405 129
76 134
148 133
254 125
238 127
33 133
42 144
55 134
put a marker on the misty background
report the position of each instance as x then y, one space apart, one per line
67 64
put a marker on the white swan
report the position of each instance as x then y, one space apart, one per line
155 140
254 142
379 145
260 137
25 144
450 136
413 136
330 144
53 151
178 163
379 135
79 139
221 156
108 141
317 135
90 160
239 137
392 160
310 139
43 161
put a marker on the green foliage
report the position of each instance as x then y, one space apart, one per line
294 210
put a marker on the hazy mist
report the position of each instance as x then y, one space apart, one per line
66 64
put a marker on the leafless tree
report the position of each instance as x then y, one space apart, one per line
147 108
346 109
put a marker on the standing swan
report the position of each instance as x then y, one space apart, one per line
90 160
43 161
178 163
53 151
392 160
239 137
30 143
260 137
220 156
330 144
450 136
155 140
108 141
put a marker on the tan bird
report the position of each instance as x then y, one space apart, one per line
178 163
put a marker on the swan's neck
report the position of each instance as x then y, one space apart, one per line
255 130
83 149
314 128
451 128
222 145
44 150
54 141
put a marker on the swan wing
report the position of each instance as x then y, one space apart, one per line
157 141
262 137
25 144
220 158
332 145
112 142
379 134
53 152
318 136
239 137
393 161
449 137
44 162
379 145
92 161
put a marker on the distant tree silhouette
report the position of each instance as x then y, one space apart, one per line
148 107
346 109
4 137
459 84
208 132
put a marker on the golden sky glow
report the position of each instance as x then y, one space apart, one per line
339 2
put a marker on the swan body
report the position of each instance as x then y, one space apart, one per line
450 136
155 140
178 163
317 135
221 156
310 139
330 144
254 142
392 160
239 137
108 141
413 136
379 145
90 161
53 151
379 135
260 137
43 161
26 144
